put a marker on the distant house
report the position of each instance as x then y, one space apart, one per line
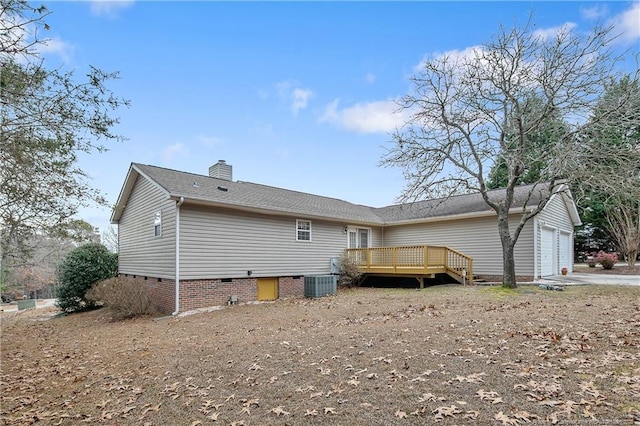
195 240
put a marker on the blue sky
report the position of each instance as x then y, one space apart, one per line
293 95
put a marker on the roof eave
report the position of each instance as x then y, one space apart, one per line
571 207
123 197
272 212
127 188
459 216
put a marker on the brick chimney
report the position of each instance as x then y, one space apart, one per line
221 170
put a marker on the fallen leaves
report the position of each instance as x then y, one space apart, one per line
400 414
458 363
491 396
279 411
504 419
441 412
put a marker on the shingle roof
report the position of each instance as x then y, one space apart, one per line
257 197
458 205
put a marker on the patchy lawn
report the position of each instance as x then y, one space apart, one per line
368 356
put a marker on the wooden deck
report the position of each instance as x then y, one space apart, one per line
418 261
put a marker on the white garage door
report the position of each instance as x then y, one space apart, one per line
546 252
565 251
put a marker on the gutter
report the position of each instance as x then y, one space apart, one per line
177 277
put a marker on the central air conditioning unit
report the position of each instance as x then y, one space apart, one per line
320 285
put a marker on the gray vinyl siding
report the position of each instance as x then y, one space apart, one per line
377 236
140 252
220 243
556 214
476 237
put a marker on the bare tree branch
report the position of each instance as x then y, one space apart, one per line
500 103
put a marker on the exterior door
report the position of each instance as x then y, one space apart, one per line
267 288
547 252
358 238
566 259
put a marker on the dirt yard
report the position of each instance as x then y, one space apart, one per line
447 354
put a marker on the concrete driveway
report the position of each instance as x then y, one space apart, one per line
40 303
578 278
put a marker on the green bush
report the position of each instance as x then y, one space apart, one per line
79 270
124 297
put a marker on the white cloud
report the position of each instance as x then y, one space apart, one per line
30 39
109 8
298 97
370 117
627 24
331 113
453 56
57 46
594 12
284 88
170 152
552 32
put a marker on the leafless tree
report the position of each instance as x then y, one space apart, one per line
469 109
110 239
623 223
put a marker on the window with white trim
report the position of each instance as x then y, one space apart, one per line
157 224
358 237
303 230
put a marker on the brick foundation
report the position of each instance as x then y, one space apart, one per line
291 286
214 292
202 293
161 291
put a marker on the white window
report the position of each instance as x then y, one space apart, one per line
358 237
303 230
157 224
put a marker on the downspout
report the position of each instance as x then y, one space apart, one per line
177 278
536 234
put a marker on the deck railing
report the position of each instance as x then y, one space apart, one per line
413 260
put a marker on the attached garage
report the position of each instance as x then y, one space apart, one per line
547 252
554 227
565 253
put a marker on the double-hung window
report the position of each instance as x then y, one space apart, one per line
303 230
157 225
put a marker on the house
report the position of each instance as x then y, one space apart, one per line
196 240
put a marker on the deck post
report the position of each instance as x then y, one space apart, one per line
394 259
426 258
421 281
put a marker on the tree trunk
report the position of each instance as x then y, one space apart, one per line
508 262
